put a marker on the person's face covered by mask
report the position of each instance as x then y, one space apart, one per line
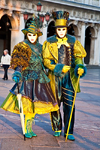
61 32
32 37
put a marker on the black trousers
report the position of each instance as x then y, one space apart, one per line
56 119
5 71
67 99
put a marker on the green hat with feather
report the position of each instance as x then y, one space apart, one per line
34 27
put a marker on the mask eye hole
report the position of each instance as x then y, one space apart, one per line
59 29
64 29
29 34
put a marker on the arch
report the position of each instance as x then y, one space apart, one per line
89 44
28 22
51 28
73 30
5 33
13 19
92 31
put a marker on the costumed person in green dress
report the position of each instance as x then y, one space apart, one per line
63 56
29 75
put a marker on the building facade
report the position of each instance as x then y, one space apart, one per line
84 23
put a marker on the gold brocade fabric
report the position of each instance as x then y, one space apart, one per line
50 52
42 108
62 41
21 55
79 50
39 107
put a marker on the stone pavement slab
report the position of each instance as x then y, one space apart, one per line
45 139
87 121
13 144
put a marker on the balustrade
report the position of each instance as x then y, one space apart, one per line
87 2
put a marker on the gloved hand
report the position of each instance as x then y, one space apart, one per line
65 69
16 76
16 79
80 71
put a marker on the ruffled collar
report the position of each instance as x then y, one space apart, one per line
37 48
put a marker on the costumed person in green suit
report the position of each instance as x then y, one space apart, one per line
29 75
63 55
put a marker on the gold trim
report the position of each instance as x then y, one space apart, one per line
68 104
69 134
51 122
68 99
68 94
67 89
58 131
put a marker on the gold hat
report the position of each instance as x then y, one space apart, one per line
61 18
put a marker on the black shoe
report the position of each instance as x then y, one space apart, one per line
3 78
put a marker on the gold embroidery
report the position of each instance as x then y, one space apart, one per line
68 94
68 104
67 89
68 99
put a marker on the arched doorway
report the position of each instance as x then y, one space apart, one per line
27 24
87 45
5 34
71 29
51 29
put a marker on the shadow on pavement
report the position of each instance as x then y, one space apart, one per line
87 141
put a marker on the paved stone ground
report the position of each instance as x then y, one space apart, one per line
87 121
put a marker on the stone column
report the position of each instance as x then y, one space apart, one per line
97 49
16 34
92 47
86 1
44 36
82 34
14 38
90 2
22 26
78 37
